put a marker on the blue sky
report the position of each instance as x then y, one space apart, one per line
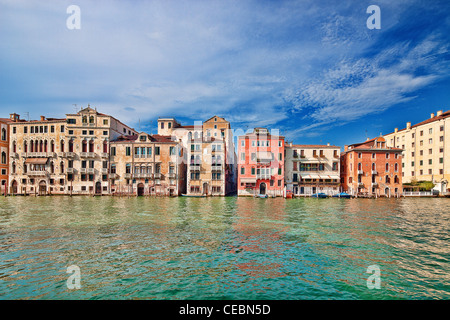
309 68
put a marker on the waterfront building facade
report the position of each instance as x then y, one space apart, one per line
261 163
426 150
209 154
311 169
62 156
4 152
372 168
145 164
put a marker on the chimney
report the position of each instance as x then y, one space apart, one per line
396 130
439 113
408 125
42 118
345 148
432 115
14 117
328 144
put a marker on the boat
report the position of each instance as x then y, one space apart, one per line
263 196
193 195
319 195
342 195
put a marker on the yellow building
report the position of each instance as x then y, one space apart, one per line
425 150
62 156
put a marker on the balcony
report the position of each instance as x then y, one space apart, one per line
14 155
91 170
216 167
83 170
70 154
87 154
194 167
263 176
374 172
360 184
104 155
104 170
360 172
61 154
113 176
127 175
70 170
374 184
172 175
24 154
51 154
158 175
42 173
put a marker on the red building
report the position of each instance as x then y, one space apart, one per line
4 153
371 168
261 164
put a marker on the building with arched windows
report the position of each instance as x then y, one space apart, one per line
62 156
4 154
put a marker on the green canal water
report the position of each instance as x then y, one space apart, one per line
224 248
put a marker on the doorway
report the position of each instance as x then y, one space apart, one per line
98 188
140 190
262 188
42 188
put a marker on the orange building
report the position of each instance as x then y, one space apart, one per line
261 164
371 168
4 151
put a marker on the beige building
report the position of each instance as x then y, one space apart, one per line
311 169
63 156
210 157
425 147
4 152
144 164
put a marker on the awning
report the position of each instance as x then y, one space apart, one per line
264 155
305 175
248 180
334 177
36 161
314 176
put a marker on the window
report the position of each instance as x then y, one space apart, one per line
162 125
25 129
14 130
441 139
4 134
430 151
253 171
430 141
243 156
84 132
113 151
128 151
157 151
62 128
242 170
430 161
105 122
71 132
441 160
430 131
441 128
387 155
52 129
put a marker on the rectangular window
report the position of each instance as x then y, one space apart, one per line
242 170
242 143
128 151
157 151
113 151
243 156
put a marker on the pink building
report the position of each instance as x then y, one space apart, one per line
261 164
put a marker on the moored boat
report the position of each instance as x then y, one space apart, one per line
342 195
319 195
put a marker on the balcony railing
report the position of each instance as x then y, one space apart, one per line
113 176
172 175
104 170
83 170
374 184
70 170
14 155
360 172
127 175
87 154
70 154
104 155
216 167
360 184
61 154
374 172
158 175
194 167
91 170
37 173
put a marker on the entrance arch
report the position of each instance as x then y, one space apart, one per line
387 192
98 188
262 188
205 188
14 187
42 188
140 190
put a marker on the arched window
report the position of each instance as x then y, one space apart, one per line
70 145
45 146
13 167
61 166
52 146
62 146
387 179
91 119
25 167
387 167
396 167
14 146
3 134
105 146
84 148
3 157
91 146
52 167
373 166
25 146
84 120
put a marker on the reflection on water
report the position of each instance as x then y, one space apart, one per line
224 248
